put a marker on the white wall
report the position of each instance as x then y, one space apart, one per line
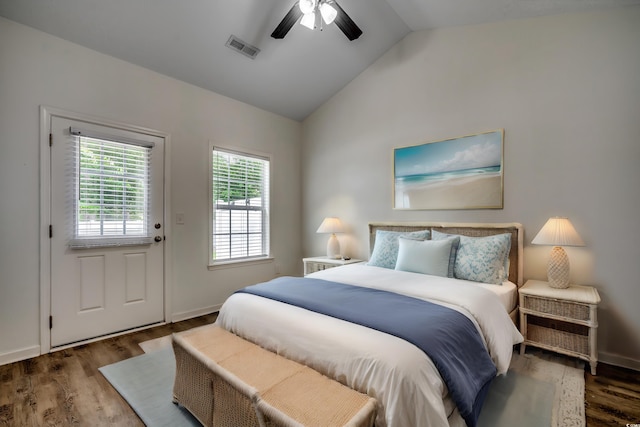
38 69
566 89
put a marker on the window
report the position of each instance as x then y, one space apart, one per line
111 187
240 206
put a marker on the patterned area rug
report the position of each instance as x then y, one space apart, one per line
540 389
155 344
146 383
567 374
535 381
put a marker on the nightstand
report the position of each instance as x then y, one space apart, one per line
561 320
311 265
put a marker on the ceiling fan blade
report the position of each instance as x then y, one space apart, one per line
287 22
346 24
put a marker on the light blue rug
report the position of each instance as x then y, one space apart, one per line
517 399
146 382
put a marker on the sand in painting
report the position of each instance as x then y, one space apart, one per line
456 193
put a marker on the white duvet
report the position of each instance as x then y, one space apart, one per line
408 387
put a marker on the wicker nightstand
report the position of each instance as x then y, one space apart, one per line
311 265
561 320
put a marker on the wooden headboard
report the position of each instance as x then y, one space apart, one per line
466 229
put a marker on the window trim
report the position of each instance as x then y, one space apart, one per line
228 263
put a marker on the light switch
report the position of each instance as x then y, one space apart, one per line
179 218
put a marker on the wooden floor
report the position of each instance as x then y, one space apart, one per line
65 388
612 397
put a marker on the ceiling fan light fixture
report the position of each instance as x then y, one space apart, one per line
328 13
308 6
309 20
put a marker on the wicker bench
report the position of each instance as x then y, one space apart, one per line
224 380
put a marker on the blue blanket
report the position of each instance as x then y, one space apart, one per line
448 337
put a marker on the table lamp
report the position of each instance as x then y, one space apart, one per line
332 225
558 232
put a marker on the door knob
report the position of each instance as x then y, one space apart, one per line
158 239
157 226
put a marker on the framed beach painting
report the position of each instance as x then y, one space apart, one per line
458 173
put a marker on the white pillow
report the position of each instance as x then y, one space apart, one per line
426 256
385 249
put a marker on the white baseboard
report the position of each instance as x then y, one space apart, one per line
617 360
18 355
186 315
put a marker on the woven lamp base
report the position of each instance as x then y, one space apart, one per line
558 268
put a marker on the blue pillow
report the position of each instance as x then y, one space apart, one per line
385 249
481 259
427 256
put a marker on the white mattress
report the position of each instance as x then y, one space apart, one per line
507 293
403 379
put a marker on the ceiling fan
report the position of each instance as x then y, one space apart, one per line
311 11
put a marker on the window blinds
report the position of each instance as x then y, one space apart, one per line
240 206
111 191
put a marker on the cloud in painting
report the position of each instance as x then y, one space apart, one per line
472 152
476 156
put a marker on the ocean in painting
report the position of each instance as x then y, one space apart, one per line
419 180
459 189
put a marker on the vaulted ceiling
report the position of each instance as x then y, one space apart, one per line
291 77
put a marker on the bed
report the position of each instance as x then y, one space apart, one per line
399 374
516 258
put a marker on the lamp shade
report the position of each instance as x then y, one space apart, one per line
331 225
309 20
328 13
558 231
308 6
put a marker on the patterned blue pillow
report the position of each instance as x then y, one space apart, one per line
481 259
385 249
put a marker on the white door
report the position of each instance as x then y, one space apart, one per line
106 235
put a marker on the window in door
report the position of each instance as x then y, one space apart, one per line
111 182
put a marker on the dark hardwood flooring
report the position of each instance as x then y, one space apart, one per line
65 388
612 397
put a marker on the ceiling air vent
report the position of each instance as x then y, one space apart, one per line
238 45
